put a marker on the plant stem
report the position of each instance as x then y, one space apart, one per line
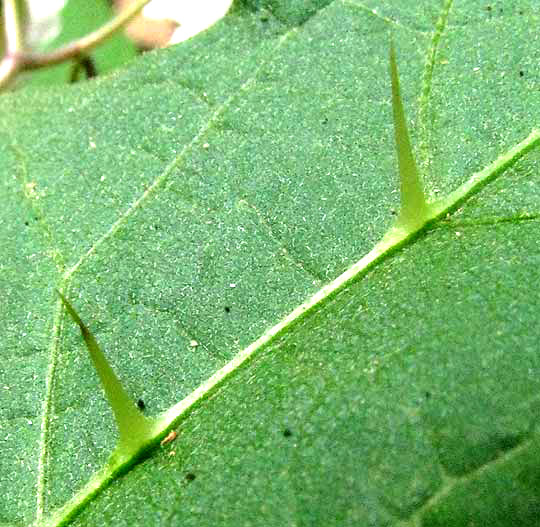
14 36
33 60
18 59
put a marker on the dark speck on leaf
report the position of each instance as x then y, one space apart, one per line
190 476
325 120
26 223
287 432
521 73
427 395
227 309
140 404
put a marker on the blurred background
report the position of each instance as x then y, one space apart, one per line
50 24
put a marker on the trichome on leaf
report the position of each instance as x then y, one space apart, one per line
135 429
414 207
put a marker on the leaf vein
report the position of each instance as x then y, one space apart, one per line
160 180
427 82
285 251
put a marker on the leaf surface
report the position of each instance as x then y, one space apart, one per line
204 193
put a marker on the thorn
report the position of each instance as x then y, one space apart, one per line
132 425
414 208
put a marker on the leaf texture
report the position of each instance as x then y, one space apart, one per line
191 201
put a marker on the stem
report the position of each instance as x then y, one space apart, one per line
13 14
18 59
83 63
84 44
14 40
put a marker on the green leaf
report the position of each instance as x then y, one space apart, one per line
217 215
